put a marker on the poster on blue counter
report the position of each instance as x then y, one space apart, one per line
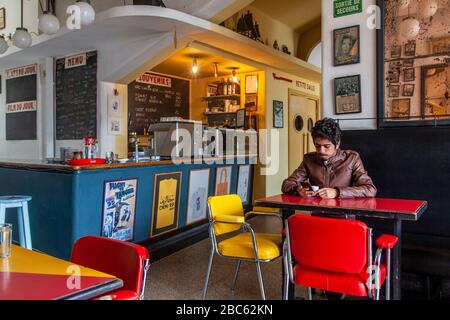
119 208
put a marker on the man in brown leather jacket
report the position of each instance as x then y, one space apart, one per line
338 173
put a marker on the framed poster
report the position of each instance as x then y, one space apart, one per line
166 202
2 18
197 195
347 92
278 121
244 183
223 180
119 209
394 91
435 90
413 34
251 84
251 102
346 46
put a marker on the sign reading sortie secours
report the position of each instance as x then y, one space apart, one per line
347 7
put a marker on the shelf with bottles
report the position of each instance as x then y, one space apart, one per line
224 89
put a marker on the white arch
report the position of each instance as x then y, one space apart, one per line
315 57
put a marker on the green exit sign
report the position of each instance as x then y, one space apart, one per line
346 7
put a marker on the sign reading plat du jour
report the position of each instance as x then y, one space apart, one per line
347 7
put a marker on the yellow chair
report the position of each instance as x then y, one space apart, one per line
226 215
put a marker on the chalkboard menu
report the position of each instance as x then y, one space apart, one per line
21 103
76 97
153 96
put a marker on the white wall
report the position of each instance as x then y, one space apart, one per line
367 68
12 12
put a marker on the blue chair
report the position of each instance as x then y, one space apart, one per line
21 203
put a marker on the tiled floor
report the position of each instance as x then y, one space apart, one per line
181 276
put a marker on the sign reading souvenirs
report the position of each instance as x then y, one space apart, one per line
166 203
21 103
347 7
119 208
76 96
152 97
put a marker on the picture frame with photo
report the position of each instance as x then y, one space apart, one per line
346 43
408 89
410 49
397 64
2 18
251 84
394 76
396 52
278 119
409 75
251 102
401 108
347 92
394 91
408 63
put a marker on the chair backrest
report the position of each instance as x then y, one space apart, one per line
229 205
124 260
330 244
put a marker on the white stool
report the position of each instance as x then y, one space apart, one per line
21 203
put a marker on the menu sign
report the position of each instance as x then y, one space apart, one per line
76 96
153 96
21 103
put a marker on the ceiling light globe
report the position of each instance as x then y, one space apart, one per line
409 28
427 8
22 39
87 13
3 45
49 24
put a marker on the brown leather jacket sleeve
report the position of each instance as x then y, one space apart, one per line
362 185
291 184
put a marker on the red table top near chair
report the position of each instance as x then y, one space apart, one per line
29 275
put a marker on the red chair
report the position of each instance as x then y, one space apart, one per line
127 261
335 255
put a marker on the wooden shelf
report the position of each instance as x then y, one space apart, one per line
229 97
214 113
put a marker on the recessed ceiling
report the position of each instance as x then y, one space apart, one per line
299 15
180 64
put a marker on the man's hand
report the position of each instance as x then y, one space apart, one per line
305 192
327 193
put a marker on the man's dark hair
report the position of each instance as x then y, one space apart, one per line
349 37
327 128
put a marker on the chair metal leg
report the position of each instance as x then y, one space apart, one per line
286 279
260 279
309 293
205 289
236 273
388 274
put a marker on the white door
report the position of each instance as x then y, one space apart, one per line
302 117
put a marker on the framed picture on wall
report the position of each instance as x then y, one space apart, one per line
223 180
429 45
251 84
346 46
278 121
394 91
251 102
243 189
347 92
2 18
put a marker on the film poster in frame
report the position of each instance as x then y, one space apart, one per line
244 183
198 195
223 180
166 202
347 91
119 209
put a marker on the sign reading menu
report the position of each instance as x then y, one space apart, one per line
76 96
153 96
21 103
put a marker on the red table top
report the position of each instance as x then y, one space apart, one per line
30 275
409 209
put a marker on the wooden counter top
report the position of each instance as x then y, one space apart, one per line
46 165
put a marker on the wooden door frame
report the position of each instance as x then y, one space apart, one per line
303 95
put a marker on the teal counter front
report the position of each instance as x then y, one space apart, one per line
142 202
